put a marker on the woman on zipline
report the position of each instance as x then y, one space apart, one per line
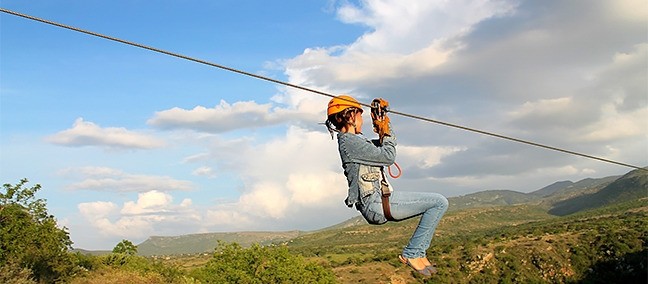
363 162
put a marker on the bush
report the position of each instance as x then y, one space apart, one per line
112 275
233 264
12 273
143 266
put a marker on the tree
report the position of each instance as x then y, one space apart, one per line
29 236
126 247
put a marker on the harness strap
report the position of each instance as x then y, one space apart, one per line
385 194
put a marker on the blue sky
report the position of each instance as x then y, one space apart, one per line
128 143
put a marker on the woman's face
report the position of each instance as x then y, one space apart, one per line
358 121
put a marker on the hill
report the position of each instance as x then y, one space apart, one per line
582 187
200 243
91 252
552 188
631 186
489 198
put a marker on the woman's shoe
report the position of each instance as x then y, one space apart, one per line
408 261
429 266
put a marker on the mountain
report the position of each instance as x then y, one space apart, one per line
355 221
200 243
548 195
584 186
552 188
90 252
489 198
633 185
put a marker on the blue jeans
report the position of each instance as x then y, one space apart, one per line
405 205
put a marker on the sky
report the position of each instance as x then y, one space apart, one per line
127 143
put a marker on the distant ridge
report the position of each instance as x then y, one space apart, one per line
633 185
200 243
553 188
91 252
355 221
489 198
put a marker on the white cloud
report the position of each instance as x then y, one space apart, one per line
281 177
628 10
545 108
224 117
315 188
265 199
424 157
85 133
616 126
109 179
230 218
152 212
612 107
147 202
395 48
97 209
407 26
204 171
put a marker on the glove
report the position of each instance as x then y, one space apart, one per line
380 120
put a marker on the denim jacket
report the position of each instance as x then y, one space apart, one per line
362 160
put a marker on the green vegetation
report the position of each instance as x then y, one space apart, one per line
125 247
32 247
605 244
273 264
559 250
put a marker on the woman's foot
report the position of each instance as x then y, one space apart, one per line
429 266
416 264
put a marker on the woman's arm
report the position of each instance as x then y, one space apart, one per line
360 150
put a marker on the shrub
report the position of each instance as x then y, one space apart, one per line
233 264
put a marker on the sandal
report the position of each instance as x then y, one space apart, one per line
425 271
429 266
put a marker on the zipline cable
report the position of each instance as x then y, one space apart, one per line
313 90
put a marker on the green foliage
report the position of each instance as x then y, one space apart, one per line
233 264
125 247
29 236
13 273
141 265
585 247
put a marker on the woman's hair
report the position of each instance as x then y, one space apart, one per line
335 122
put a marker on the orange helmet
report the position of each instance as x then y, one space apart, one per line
341 103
